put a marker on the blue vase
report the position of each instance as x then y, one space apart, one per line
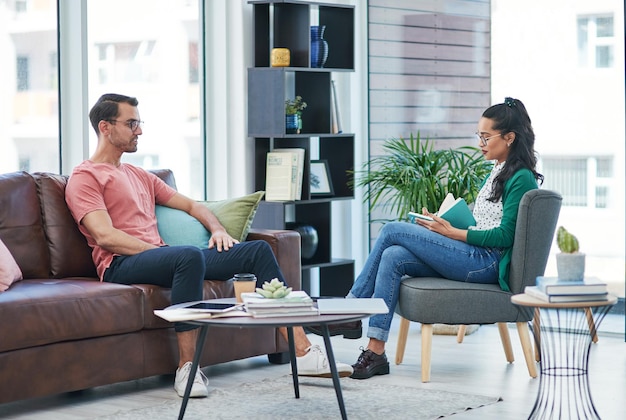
319 46
292 124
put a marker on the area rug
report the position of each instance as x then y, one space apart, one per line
274 399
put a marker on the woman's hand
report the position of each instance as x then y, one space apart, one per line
441 226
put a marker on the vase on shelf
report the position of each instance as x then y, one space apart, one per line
293 123
319 46
308 239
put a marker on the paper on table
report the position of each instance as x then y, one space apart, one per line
184 314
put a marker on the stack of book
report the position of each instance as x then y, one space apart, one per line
297 303
551 289
283 174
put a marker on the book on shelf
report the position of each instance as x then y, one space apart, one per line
555 286
334 109
296 182
535 292
280 176
454 210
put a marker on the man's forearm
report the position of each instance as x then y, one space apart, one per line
121 243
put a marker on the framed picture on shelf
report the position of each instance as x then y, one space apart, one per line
320 183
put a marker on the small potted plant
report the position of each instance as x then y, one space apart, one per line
570 263
293 115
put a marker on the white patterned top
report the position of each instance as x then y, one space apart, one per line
488 214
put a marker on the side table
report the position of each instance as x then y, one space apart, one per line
564 334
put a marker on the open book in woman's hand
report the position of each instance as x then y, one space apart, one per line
454 210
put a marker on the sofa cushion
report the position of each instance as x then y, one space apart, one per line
9 270
21 224
36 312
62 233
236 214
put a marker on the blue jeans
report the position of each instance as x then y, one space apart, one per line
408 249
184 268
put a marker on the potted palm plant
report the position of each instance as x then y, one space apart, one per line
412 174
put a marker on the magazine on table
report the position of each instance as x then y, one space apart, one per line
201 310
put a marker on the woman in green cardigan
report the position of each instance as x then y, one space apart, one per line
480 254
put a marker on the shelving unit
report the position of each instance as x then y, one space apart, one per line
285 24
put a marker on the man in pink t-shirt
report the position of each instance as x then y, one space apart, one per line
113 204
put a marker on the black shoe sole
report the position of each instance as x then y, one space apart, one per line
349 334
378 370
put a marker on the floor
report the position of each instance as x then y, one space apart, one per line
475 366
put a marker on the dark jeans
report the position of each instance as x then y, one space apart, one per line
183 268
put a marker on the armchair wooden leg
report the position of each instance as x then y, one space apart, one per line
527 348
537 334
461 333
427 346
592 325
503 329
402 336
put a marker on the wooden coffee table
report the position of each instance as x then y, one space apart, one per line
289 322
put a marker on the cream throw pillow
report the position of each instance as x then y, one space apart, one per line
9 270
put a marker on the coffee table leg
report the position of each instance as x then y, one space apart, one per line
333 370
194 369
292 358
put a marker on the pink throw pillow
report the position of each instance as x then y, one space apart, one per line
9 270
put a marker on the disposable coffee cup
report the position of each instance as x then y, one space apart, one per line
244 283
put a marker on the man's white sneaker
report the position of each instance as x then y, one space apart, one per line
315 363
200 382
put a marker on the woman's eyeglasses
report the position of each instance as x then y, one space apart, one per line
483 140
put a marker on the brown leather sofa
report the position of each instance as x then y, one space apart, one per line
63 330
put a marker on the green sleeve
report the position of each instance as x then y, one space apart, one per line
503 235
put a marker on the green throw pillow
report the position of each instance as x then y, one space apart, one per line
236 214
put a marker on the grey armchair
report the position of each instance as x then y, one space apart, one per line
431 300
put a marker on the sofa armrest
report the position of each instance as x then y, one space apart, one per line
286 247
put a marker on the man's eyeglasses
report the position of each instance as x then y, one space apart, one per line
483 140
132 124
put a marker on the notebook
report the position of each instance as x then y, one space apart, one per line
352 306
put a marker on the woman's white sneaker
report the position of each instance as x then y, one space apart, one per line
315 363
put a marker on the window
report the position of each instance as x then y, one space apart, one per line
152 59
21 6
582 181
126 62
595 41
194 73
29 98
22 73
53 74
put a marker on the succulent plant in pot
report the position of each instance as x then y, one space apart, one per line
570 263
